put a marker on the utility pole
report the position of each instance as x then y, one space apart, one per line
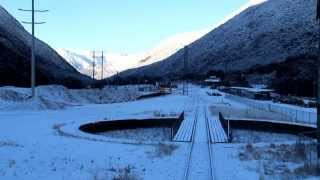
93 63
33 59
117 80
102 65
225 67
318 65
186 70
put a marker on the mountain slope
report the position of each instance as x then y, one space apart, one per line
113 63
263 34
171 45
15 43
82 60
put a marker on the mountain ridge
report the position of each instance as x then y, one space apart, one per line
51 68
82 60
269 32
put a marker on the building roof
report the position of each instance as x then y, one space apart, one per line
213 80
255 90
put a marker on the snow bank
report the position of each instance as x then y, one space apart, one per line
55 97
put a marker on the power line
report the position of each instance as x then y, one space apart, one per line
33 59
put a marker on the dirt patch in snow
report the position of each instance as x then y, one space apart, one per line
125 173
165 149
252 136
9 144
141 134
279 161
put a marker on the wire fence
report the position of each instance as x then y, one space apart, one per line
309 149
293 114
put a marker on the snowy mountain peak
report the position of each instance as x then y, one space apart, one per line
83 60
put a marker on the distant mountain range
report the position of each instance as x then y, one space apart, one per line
269 41
15 43
82 60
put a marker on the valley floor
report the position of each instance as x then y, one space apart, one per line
47 144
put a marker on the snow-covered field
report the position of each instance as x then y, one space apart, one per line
42 143
32 147
58 97
261 161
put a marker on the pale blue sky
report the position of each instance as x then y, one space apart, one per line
122 26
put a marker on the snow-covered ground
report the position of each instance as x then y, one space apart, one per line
283 160
33 147
58 97
47 144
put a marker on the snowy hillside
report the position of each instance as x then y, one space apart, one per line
15 58
259 34
82 60
56 97
171 45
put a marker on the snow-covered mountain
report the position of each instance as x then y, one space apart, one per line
15 43
113 63
82 60
260 33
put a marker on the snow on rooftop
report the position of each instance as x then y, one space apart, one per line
213 80
252 89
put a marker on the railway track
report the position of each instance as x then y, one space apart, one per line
187 169
199 163
209 143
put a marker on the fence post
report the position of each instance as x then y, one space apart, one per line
229 130
171 133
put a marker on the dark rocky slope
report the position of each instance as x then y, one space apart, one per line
15 44
262 36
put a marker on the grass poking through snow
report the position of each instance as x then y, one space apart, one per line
284 161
